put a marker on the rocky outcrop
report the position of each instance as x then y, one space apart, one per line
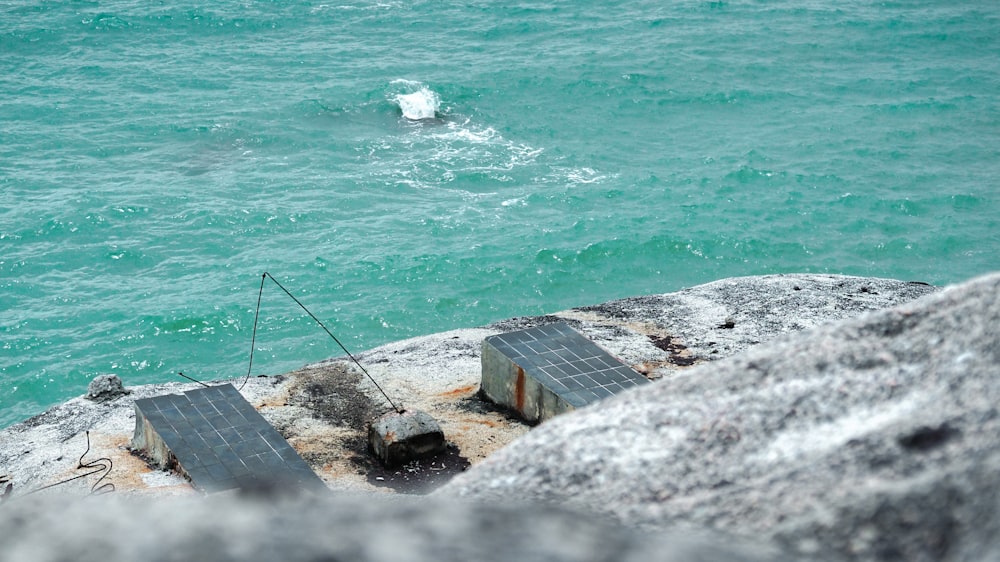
871 438
671 462
104 388
719 319
336 527
322 409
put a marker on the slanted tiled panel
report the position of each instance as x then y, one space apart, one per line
222 442
564 361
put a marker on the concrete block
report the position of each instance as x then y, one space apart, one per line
148 442
505 382
547 370
397 438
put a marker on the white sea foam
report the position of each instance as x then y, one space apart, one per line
451 148
423 103
585 175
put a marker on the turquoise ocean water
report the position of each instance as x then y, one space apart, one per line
157 158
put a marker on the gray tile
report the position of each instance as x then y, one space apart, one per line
576 398
247 481
260 446
274 463
167 433
213 439
234 464
256 465
198 473
243 449
172 415
229 434
603 378
220 485
218 471
601 392
289 455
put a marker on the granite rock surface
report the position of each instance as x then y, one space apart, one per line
336 527
322 409
874 438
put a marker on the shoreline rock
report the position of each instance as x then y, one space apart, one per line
873 438
699 457
104 388
322 408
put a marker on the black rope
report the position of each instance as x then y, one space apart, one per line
97 465
253 339
102 464
192 379
267 275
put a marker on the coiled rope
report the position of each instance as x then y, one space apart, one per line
95 466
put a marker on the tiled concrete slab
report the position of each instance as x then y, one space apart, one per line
546 370
218 440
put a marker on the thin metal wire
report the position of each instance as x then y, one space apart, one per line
267 275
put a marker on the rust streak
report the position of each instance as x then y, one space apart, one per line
519 390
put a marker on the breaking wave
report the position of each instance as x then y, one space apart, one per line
417 102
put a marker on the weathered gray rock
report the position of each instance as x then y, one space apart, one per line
104 388
342 527
397 438
719 319
438 373
875 438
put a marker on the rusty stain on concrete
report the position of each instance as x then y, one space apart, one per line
519 390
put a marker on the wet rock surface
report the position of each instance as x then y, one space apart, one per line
874 438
